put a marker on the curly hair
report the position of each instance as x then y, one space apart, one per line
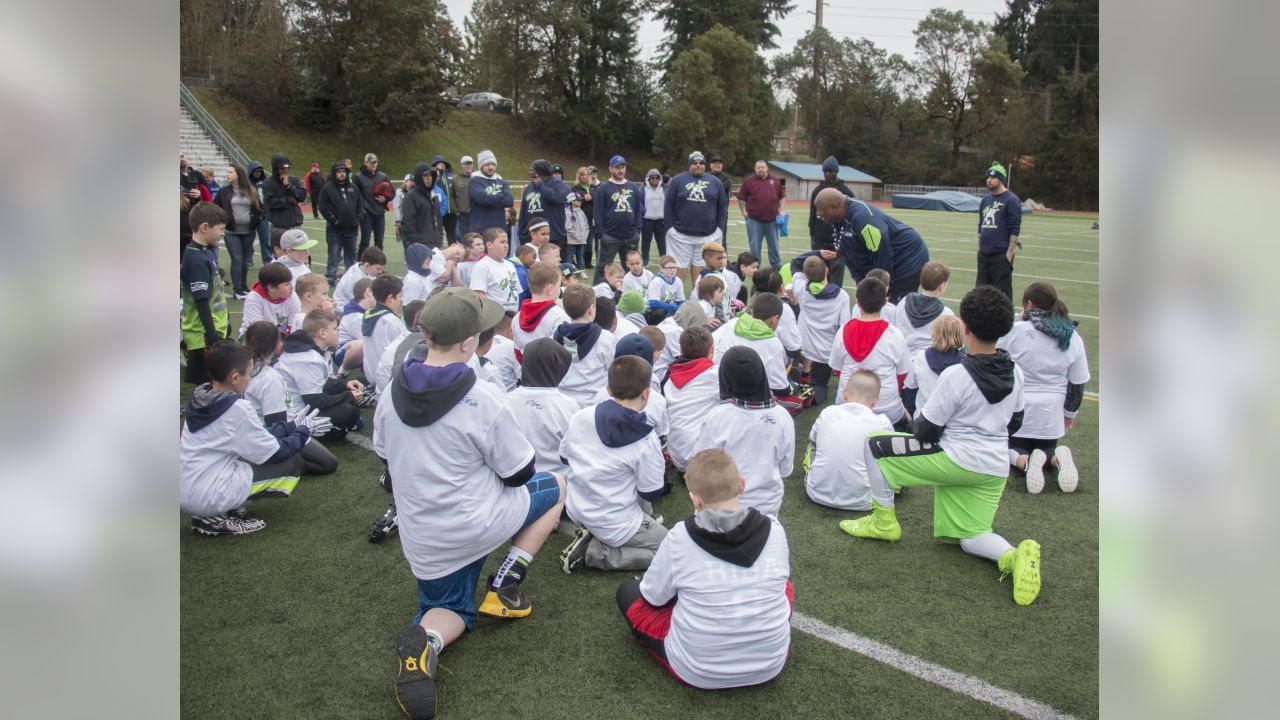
987 313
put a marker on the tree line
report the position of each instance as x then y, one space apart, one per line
1022 89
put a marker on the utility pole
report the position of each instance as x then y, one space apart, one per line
817 83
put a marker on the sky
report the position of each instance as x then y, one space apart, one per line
887 24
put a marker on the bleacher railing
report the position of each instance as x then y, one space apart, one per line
221 138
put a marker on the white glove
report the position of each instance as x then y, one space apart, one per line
316 424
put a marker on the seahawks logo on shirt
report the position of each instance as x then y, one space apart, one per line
493 189
621 201
535 202
697 191
989 215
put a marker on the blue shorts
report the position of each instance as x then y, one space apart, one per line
340 355
456 591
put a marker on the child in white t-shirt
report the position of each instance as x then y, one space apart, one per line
715 605
716 266
494 275
473 249
868 341
541 314
462 490
710 295
756 330
960 447
666 291
372 262
612 285
312 291
824 309
615 462
637 277
1051 355
350 353
272 299
419 278
591 345
506 366
297 252
380 325
226 455
692 388
927 365
917 311
404 340
888 311
836 471
268 394
641 345
770 281
304 364
757 431
542 411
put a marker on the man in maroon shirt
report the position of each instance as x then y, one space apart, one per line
760 199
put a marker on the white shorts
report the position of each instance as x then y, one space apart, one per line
687 249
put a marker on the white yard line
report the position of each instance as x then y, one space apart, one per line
1033 277
361 440
979 690
1019 256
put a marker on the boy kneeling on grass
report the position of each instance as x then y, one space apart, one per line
715 605
960 447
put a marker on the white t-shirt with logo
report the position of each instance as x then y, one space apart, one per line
543 415
769 349
452 505
257 308
838 474
1047 370
639 283
687 409
216 471
762 443
606 482
588 375
497 279
663 291
731 625
304 373
502 357
887 359
266 392
975 433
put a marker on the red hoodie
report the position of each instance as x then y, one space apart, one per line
683 373
257 287
861 336
531 313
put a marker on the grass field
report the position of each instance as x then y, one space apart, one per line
297 620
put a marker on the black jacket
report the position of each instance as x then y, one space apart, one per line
820 233
282 202
223 200
341 203
420 213
366 181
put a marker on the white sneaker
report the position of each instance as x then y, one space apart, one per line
1035 471
1068 475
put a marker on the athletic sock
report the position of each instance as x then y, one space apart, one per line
512 569
435 640
879 486
987 545
1013 457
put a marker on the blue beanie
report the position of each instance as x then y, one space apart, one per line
634 344
831 164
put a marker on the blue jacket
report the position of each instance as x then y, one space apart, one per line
999 216
619 209
547 199
490 197
697 206
870 238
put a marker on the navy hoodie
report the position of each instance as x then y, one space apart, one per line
548 199
582 335
999 217
490 197
870 238
618 426
697 205
207 405
619 209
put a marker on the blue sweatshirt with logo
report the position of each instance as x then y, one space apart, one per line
490 197
999 216
870 238
619 209
547 199
697 205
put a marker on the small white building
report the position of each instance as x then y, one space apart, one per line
802 178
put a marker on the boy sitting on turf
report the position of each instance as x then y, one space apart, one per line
755 330
472 250
591 345
268 395
462 490
752 428
380 325
744 268
312 291
638 277
542 411
204 305
503 353
541 314
715 259
550 254
526 256
419 278
305 368
398 346
494 275
824 309
692 388
272 299
667 290
641 345
927 365
836 472
918 311
612 285
227 456
715 605
630 313
960 447
615 461
867 341
372 263
297 252
710 295
770 281
889 311
657 337
350 353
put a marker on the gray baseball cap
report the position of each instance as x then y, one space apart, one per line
455 314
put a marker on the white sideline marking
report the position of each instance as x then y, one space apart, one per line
1019 256
1037 277
980 690
361 440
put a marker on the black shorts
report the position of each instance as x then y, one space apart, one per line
1024 446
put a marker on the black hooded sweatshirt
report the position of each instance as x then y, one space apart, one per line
993 374
340 202
420 213
282 200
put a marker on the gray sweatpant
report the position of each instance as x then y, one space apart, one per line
635 554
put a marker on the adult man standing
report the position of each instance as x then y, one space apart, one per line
999 223
444 175
340 203
717 170
759 200
547 195
490 196
462 197
619 212
821 240
697 212
869 238
281 193
314 184
374 219
192 182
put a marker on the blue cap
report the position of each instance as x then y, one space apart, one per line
634 344
617 160
568 268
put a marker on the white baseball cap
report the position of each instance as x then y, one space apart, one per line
296 239
466 159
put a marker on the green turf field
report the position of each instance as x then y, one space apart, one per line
297 620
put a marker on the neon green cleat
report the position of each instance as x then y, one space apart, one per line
881 524
1024 565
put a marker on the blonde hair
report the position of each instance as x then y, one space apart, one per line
713 476
948 333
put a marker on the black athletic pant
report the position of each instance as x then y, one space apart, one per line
289 467
995 269
900 287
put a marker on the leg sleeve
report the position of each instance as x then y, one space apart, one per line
316 459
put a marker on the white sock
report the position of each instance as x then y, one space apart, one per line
880 491
1013 457
987 545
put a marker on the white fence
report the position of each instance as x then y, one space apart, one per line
891 190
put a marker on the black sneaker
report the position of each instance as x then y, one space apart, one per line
574 556
415 675
227 524
382 481
385 525
507 602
